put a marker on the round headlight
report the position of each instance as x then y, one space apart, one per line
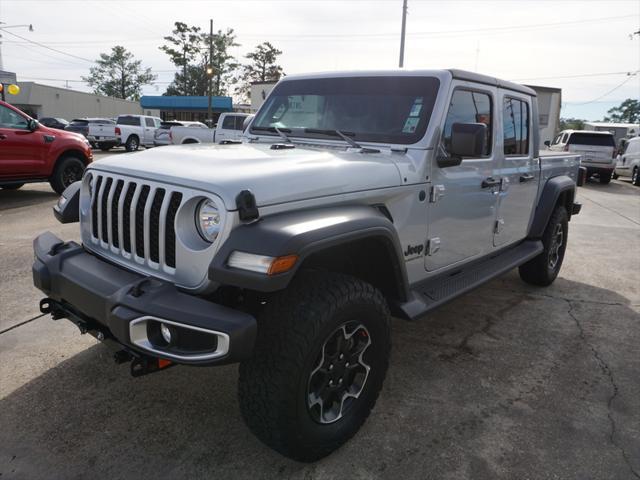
208 220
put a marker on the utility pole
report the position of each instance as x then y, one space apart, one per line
210 72
404 27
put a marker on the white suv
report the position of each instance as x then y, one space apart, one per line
597 150
629 161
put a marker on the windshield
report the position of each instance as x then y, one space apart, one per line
372 109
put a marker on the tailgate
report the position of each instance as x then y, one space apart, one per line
593 153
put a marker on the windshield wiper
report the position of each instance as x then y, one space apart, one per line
346 136
279 131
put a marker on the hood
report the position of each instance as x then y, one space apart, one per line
274 176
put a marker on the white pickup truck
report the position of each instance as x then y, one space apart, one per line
135 130
229 129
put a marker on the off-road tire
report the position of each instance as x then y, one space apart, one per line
605 177
13 186
539 270
67 171
635 177
132 144
293 331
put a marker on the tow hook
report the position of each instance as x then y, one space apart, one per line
145 365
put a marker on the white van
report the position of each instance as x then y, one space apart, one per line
597 150
629 161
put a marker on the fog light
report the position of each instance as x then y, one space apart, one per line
166 333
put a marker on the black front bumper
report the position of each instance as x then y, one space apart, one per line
91 291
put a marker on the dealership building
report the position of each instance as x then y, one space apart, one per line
39 101
187 108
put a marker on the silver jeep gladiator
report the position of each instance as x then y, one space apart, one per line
355 196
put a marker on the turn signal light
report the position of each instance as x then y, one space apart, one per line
282 264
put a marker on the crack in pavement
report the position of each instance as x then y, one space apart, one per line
490 320
21 323
611 210
606 370
568 299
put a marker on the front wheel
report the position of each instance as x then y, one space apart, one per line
635 176
543 269
318 366
67 171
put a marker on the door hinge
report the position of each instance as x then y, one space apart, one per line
499 226
436 193
433 245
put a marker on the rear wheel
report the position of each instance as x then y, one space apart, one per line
13 186
543 269
67 171
635 176
319 363
605 177
132 144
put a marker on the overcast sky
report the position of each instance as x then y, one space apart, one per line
584 47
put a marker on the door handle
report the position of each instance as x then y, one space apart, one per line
490 182
526 177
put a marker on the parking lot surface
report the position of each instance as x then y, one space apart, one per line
508 381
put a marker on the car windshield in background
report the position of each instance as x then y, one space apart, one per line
101 121
370 109
592 139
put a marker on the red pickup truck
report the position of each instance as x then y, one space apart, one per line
31 152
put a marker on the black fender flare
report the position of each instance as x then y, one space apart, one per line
553 188
303 233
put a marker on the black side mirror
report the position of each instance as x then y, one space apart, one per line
246 122
32 125
67 210
467 140
547 143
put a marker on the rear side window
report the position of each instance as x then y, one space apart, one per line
79 123
229 122
149 122
100 121
592 139
469 107
515 119
128 120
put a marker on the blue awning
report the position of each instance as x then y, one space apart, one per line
159 102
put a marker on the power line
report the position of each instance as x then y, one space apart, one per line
578 75
47 47
631 75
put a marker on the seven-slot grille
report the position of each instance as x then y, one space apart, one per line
135 219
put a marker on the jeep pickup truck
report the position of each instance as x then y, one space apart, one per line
354 197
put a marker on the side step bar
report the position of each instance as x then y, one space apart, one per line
435 291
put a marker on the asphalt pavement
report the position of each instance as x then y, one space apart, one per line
508 381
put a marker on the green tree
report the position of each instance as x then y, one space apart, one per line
188 48
571 124
262 68
627 112
224 64
184 46
118 74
